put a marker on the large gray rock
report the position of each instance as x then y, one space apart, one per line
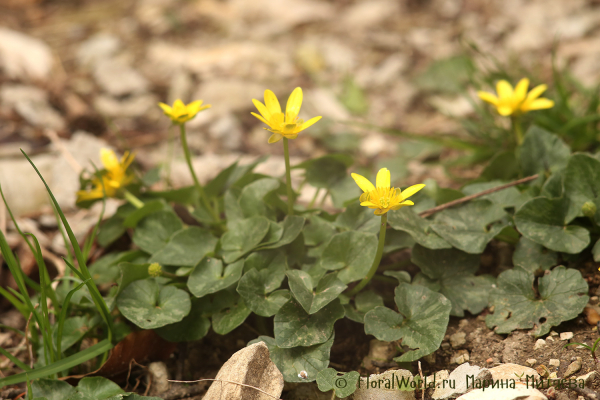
23 57
250 366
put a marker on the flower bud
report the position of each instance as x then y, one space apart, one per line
589 209
155 270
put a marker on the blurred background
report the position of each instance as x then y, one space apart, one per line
77 75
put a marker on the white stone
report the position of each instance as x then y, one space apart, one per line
531 362
365 393
129 107
228 131
24 57
323 102
519 392
566 335
117 78
251 366
32 104
458 339
98 47
588 378
459 378
364 14
540 343
554 362
158 377
512 371
452 106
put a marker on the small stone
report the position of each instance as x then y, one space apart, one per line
531 362
539 344
118 79
24 57
551 392
512 371
553 333
553 375
445 345
460 376
550 339
588 378
32 104
365 393
574 367
489 360
566 335
129 107
158 377
542 370
580 347
98 47
251 366
554 362
594 299
580 398
461 357
458 339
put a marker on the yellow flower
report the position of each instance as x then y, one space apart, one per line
384 198
282 125
517 101
114 176
180 113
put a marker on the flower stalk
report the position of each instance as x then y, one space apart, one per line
517 129
288 175
377 259
132 199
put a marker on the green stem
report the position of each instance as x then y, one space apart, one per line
377 259
199 188
312 202
288 175
516 125
131 198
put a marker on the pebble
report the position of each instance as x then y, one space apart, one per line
531 362
588 378
462 356
554 362
460 377
542 370
553 375
458 339
31 103
566 335
574 367
539 344
158 377
98 47
24 57
250 366
512 371
117 78
129 107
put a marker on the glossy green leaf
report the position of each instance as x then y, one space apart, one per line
154 231
509 197
421 322
453 272
402 276
561 296
209 277
110 230
471 226
291 227
542 151
358 218
397 240
150 306
326 171
314 297
418 228
88 388
350 253
252 198
343 384
502 166
364 302
543 221
318 230
192 327
227 320
52 389
186 248
532 256
582 183
292 361
295 327
149 208
243 236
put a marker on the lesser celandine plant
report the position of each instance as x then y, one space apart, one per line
284 126
515 102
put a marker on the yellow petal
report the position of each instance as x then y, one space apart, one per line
368 204
383 178
165 107
294 103
536 92
381 211
540 104
271 102
364 197
262 110
505 110
363 183
489 97
205 107
407 203
178 104
504 89
409 191
260 118
310 122
290 135
276 137
521 89
109 159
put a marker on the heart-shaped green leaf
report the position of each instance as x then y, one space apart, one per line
451 273
532 256
562 296
193 327
150 306
227 320
509 197
148 208
313 299
343 385
543 221
421 323
542 151
242 236
326 171
582 184
318 230
154 231
350 253
468 227
209 277
291 227
291 362
358 218
186 248
295 327
363 303
252 198
419 228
